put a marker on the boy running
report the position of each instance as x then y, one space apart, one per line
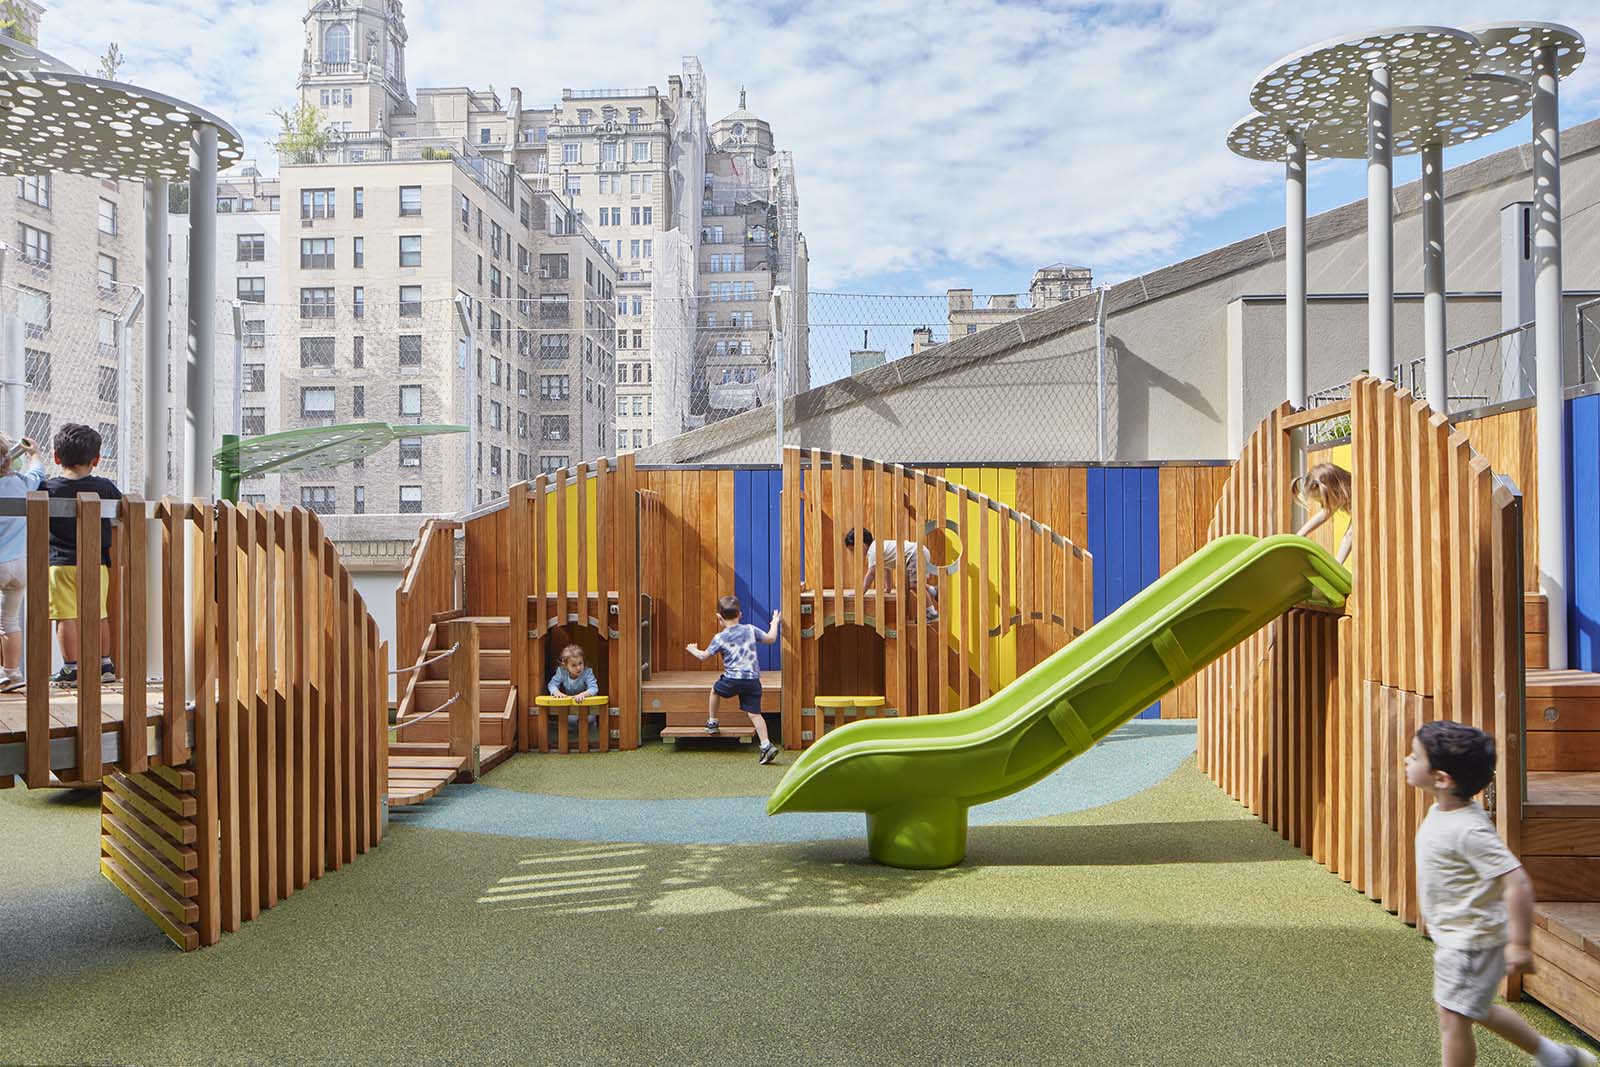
741 677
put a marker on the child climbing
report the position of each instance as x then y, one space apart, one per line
890 553
1324 490
1476 898
20 478
572 678
741 677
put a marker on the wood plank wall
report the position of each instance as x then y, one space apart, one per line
1013 574
1306 723
427 588
288 773
1509 441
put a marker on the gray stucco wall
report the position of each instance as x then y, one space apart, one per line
1019 392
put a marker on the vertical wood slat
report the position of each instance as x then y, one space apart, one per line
914 602
88 573
792 508
521 546
629 599
134 749
882 527
896 491
243 654
37 516
581 549
560 535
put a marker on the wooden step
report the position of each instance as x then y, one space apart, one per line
494 664
414 778
1566 948
491 756
1535 630
1563 716
741 734
1562 795
493 632
686 692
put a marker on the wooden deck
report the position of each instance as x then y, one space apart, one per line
682 696
1566 943
64 728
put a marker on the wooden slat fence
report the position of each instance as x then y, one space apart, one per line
1003 575
1307 722
427 587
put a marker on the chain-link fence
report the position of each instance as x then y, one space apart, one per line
78 339
1588 317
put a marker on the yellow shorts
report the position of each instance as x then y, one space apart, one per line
64 591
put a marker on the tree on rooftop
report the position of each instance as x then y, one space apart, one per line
111 62
303 136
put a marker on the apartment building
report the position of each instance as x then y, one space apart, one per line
749 244
1052 285
427 282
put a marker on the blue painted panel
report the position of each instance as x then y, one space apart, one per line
757 561
1583 533
1124 526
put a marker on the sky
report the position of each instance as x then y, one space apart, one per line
937 144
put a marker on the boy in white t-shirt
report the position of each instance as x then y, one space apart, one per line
916 563
1475 897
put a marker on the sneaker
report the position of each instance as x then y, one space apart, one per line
1580 1057
769 752
712 726
12 682
66 677
108 671
933 614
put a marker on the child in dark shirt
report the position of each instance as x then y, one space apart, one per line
77 450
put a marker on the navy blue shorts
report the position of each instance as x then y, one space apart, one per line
748 690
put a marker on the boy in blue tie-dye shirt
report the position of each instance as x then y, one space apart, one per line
741 677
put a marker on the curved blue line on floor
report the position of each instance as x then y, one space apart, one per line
1128 761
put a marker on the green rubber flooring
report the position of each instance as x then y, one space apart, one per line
1167 928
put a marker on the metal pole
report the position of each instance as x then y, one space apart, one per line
202 306
1100 375
156 396
1294 268
1436 374
778 365
125 387
1380 227
469 367
1549 409
157 294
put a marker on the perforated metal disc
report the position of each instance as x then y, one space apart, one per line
56 121
15 55
1513 47
1260 137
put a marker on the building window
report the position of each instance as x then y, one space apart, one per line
554 346
358 301
316 203
252 247
571 152
318 402
359 206
641 151
255 378
251 290
35 189
108 275
411 301
255 421
522 425
36 370
316 253
336 44
466 212
411 401
316 351
358 351
551 464
411 350
36 424
494 461
553 307
554 387
410 451
107 381
360 506
314 303
255 333
972 328
553 428
553 266
411 500
108 217
411 200
358 401
573 186
411 251
358 251
35 245
318 499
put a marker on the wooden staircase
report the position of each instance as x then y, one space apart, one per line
1560 842
420 763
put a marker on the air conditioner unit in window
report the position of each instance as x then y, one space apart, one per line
307 223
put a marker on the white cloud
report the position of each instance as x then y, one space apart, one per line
928 137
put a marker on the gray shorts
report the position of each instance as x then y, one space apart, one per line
1466 981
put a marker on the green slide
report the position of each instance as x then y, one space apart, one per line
916 777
